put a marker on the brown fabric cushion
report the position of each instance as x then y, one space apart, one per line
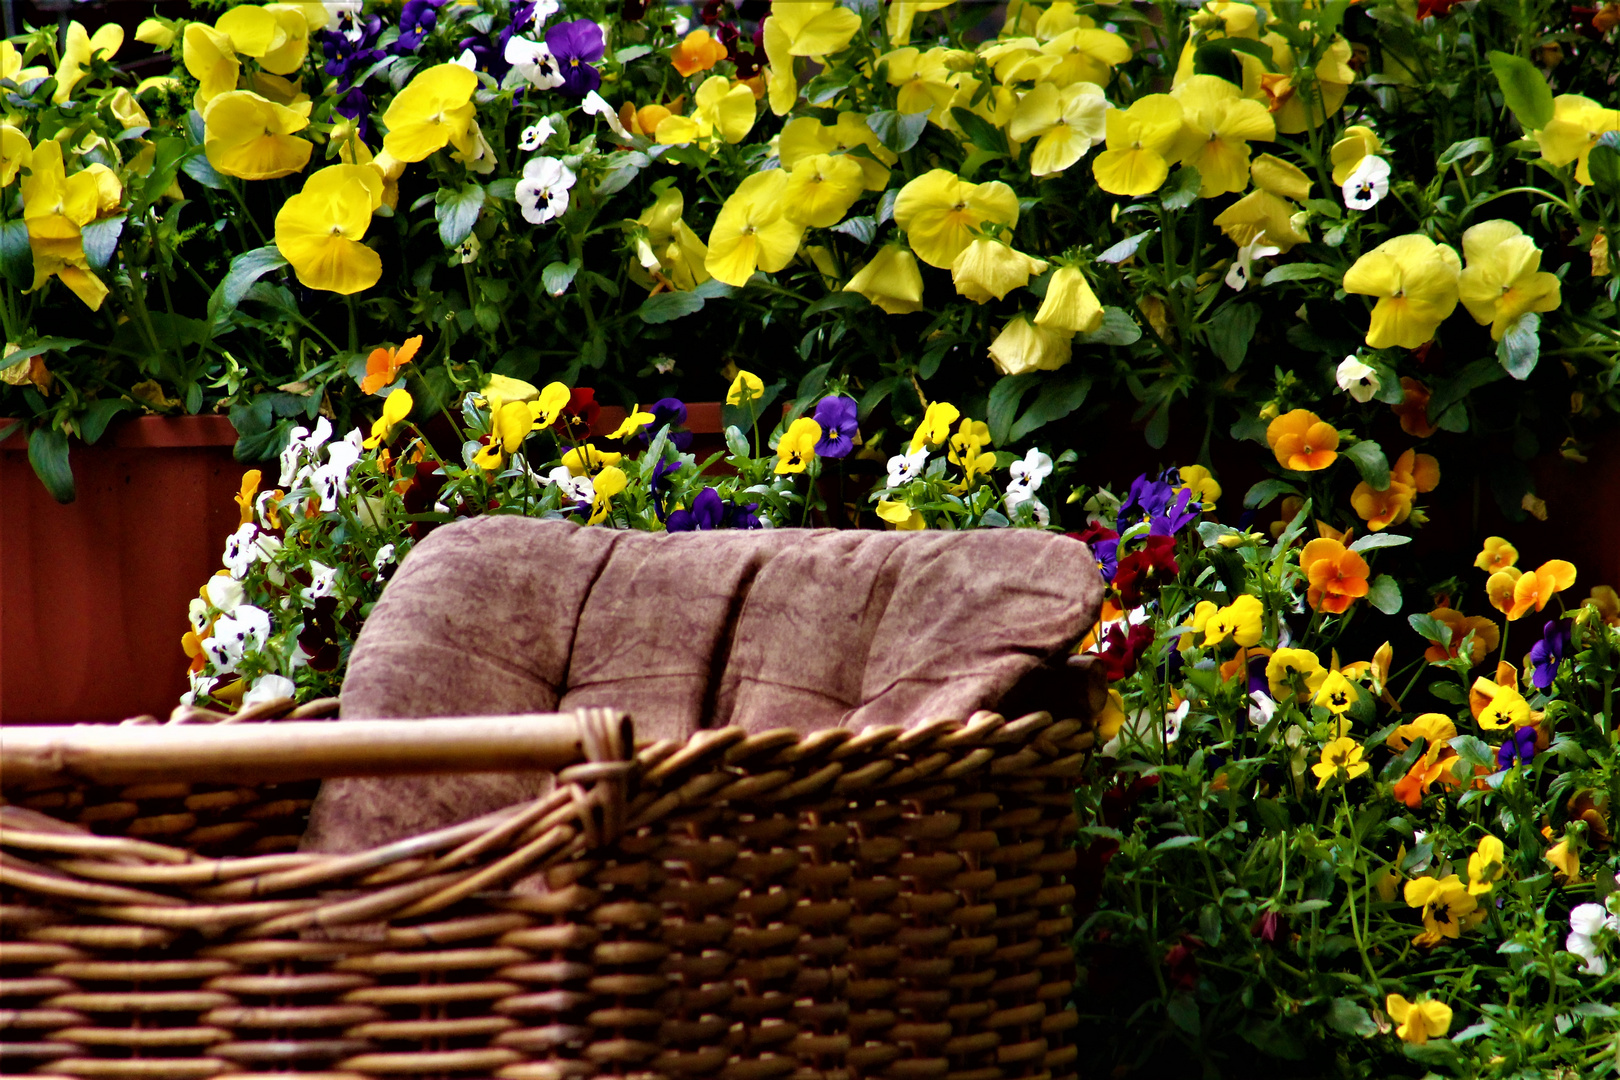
763 629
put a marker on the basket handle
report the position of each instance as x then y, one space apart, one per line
305 749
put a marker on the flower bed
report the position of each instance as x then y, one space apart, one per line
1355 259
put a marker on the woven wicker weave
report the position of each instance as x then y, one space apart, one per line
886 903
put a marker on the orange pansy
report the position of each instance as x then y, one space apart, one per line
1487 635
1536 588
1303 441
1497 554
697 52
1414 409
1337 575
382 366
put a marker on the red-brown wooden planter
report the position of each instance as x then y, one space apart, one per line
93 595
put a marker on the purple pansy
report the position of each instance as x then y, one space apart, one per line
838 417
483 56
656 488
1157 503
708 512
416 20
1549 652
1521 745
347 50
577 45
357 107
672 412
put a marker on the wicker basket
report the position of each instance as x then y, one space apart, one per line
889 903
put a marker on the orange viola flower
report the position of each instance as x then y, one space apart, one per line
1497 554
1414 409
382 366
1487 635
1381 509
1337 575
1424 774
1481 694
1499 588
244 498
698 52
645 120
1303 441
1536 588
1289 510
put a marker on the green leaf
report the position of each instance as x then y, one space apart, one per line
16 257
93 421
1230 330
1430 628
877 393
246 269
1523 89
1474 751
666 307
1060 396
759 411
624 56
1266 491
896 130
1348 1018
1373 541
1604 163
1520 348
862 228
1467 148
48 454
457 210
200 169
101 240
1299 272
1384 594
1370 461
1182 190
835 302
558 276
1118 328
40 347
980 132
1004 399
1182 1009
1123 250
1475 373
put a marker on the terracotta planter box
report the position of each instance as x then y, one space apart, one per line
93 594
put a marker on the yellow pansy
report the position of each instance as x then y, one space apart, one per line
903 12
1217 124
587 460
634 421
1288 668
891 281
608 483
294 22
1576 126
821 189
721 109
1069 305
1565 859
1336 694
1485 865
55 209
11 66
1496 554
1502 278
1260 214
15 153
782 88
797 447
745 387
935 427
1141 142
1415 281
78 49
923 80
994 104
211 60
806 137
156 32
1017 60
434 109
396 407
899 515
509 424
1293 110
1085 55
752 232
1448 909
1356 143
1022 347
940 211
1065 123
1281 178
814 27
967 449
672 250
1242 620
251 137
1198 480
989 268
1342 753
319 230
1418 1021
1504 706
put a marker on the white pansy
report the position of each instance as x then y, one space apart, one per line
385 555
197 614
1367 185
468 59
1034 468
543 191
331 480
269 688
1357 379
597 105
225 593
574 488
302 443
682 25
533 61
240 551
904 468
235 635
536 134
1019 493
1138 729
1587 923
323 580
1261 708
1241 272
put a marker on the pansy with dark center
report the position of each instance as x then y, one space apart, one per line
577 45
484 57
1140 573
671 412
416 20
837 416
348 50
1549 652
1165 509
1104 544
1520 746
